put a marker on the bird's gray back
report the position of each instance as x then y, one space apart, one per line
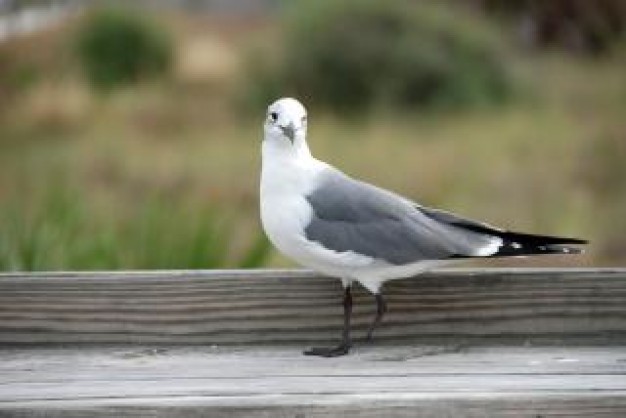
350 215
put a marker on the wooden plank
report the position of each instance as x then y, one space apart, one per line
268 307
407 380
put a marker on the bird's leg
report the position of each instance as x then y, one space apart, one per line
381 308
346 341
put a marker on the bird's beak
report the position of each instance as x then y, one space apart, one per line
289 131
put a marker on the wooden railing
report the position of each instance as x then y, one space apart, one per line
265 306
478 342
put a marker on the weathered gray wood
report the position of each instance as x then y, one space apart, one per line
252 307
279 382
245 363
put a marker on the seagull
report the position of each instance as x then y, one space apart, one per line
354 231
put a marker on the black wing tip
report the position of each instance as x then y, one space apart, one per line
557 249
539 240
516 248
572 241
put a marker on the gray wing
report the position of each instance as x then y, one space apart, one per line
349 215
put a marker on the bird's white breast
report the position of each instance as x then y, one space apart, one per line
284 209
285 214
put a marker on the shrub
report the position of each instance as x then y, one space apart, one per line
117 47
586 26
357 53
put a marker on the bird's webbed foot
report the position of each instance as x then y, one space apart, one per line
340 350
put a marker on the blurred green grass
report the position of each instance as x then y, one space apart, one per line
165 174
59 230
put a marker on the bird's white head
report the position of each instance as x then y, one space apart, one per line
285 125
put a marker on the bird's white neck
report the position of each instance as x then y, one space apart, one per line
275 152
288 170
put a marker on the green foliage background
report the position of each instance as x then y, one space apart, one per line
162 172
358 54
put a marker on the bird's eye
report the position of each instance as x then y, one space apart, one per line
304 119
274 116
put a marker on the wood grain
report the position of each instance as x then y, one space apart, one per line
406 380
228 344
284 306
